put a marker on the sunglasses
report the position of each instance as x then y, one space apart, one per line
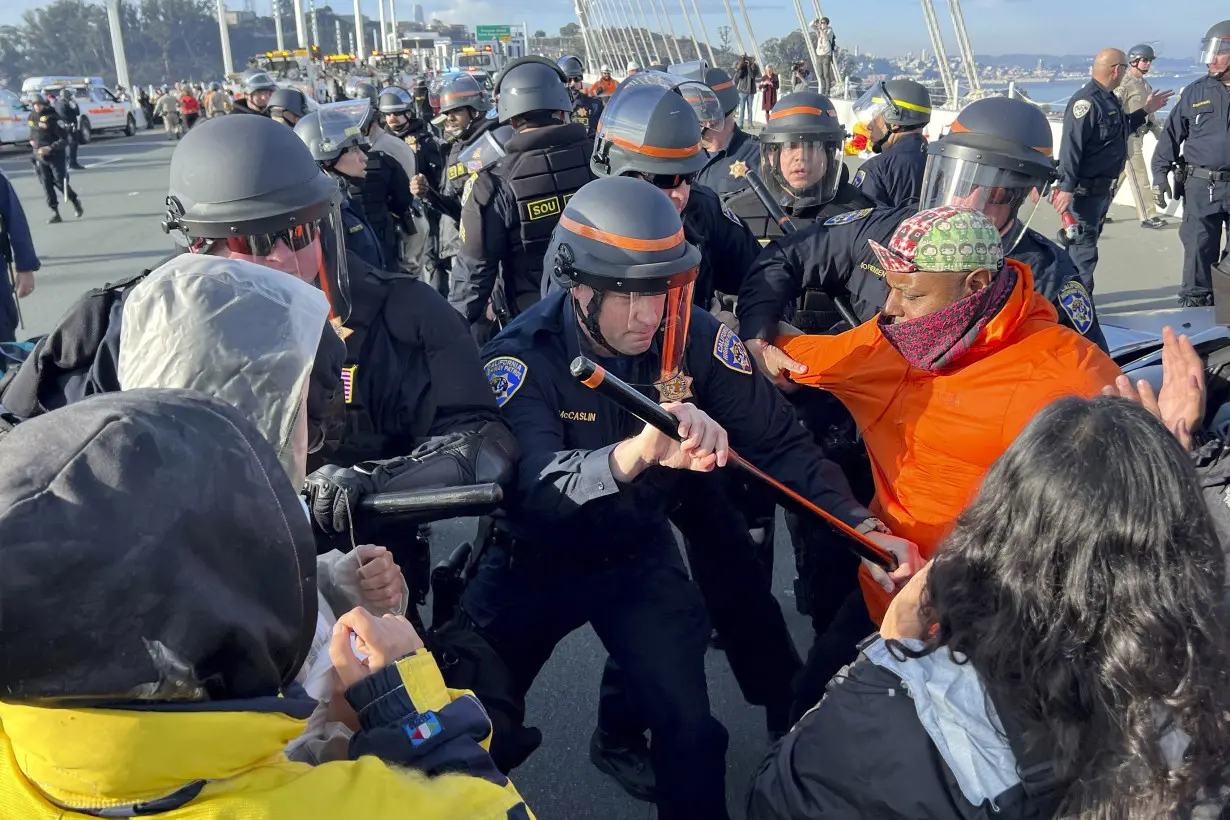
668 182
296 238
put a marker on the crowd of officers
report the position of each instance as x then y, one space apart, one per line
465 271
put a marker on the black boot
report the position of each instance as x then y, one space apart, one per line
627 764
78 209
55 218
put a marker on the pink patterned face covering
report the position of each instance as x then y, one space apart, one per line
934 341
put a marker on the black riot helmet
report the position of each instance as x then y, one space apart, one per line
1216 42
900 105
395 100
274 206
260 81
622 239
532 88
463 91
650 128
1142 51
572 67
801 150
997 153
364 89
724 87
288 101
332 129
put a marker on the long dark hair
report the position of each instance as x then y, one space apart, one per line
1085 585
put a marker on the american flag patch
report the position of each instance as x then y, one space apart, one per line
348 382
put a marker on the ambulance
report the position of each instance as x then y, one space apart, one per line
101 109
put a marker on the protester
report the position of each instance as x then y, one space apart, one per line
963 355
167 599
1064 656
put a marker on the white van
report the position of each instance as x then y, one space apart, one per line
101 110
13 116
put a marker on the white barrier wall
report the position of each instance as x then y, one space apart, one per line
942 118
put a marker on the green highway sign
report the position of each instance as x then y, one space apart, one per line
493 33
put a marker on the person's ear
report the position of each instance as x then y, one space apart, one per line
977 280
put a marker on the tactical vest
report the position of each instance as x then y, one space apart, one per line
542 180
374 192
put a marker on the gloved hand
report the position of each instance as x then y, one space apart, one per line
333 492
1161 190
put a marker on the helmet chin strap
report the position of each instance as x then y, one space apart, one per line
588 317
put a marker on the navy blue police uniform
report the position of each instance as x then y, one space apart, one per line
586 110
1092 152
17 248
894 176
579 547
834 258
751 211
1199 123
360 238
508 212
48 131
726 171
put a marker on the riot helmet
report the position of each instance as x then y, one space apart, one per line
66 94
365 90
572 68
332 131
801 150
274 206
620 251
394 100
462 99
650 129
1216 43
724 87
996 156
288 105
258 88
890 107
532 88
1143 51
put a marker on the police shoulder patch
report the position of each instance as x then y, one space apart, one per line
505 374
859 177
469 187
728 350
731 216
847 217
1080 108
1075 301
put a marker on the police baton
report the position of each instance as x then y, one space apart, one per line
436 504
595 377
788 227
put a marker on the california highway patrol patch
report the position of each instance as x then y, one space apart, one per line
728 350
847 217
1074 300
505 374
1080 108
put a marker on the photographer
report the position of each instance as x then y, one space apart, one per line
799 76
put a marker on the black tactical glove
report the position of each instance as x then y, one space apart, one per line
334 492
459 459
1161 190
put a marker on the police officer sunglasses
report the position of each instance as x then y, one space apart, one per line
668 182
296 238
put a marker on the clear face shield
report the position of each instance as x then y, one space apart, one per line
632 323
1003 196
1211 48
698 95
874 103
801 173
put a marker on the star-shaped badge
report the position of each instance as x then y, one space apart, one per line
738 169
676 388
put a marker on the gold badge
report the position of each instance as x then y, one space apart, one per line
413 142
342 331
738 169
676 388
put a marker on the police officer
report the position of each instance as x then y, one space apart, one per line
996 156
397 110
337 148
67 110
422 100
258 87
731 150
1200 125
895 114
1132 93
16 255
463 104
509 209
385 188
801 166
288 106
49 138
586 110
1092 153
586 537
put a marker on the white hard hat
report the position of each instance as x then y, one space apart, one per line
606 69
632 66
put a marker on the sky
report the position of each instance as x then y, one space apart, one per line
995 26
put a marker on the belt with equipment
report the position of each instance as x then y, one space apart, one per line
1207 173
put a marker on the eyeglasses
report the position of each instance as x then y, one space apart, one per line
296 238
668 182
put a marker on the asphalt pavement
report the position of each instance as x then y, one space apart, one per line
123 190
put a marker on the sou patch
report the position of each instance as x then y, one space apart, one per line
505 374
848 216
1075 301
728 350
